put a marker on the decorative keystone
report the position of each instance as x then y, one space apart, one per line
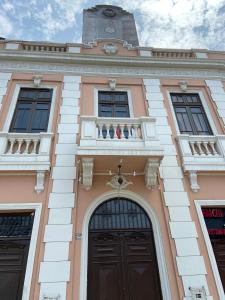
37 80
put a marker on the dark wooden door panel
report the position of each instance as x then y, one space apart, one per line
13 257
122 266
141 282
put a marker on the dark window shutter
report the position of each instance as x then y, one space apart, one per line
190 114
32 111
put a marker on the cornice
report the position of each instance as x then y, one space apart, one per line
92 66
131 61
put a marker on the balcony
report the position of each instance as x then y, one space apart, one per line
119 136
25 151
202 153
105 142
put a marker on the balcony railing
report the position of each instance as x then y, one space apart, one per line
119 133
109 129
43 47
25 149
173 54
202 151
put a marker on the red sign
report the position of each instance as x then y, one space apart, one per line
216 231
212 213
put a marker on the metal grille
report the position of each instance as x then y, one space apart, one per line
16 225
119 213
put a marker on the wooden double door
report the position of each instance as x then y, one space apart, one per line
122 262
15 234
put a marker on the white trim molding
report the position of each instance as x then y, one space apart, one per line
36 207
15 98
204 104
116 89
157 238
203 203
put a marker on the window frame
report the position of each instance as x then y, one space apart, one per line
107 89
204 105
199 204
13 103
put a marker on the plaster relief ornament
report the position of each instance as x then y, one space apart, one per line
109 12
118 182
110 48
110 30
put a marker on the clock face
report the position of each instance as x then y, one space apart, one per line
109 12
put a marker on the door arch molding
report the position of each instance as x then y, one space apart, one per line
157 238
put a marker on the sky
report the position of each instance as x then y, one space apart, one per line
160 23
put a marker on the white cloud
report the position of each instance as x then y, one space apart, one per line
6 26
160 23
180 23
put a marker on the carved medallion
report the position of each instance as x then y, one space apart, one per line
110 48
109 12
118 182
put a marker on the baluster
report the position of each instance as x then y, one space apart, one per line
12 141
100 126
27 146
123 136
125 132
20 142
213 144
132 132
192 145
199 146
129 131
107 126
135 131
118 131
35 142
139 132
207 150
114 131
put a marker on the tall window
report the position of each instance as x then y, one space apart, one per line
32 110
190 114
113 104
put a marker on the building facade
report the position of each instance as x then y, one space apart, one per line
112 167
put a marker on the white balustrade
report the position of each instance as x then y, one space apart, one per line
118 129
119 136
199 146
43 48
109 130
25 143
202 153
25 151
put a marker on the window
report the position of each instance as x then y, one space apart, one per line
32 110
113 104
190 114
214 219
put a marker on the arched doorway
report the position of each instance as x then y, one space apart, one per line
122 262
